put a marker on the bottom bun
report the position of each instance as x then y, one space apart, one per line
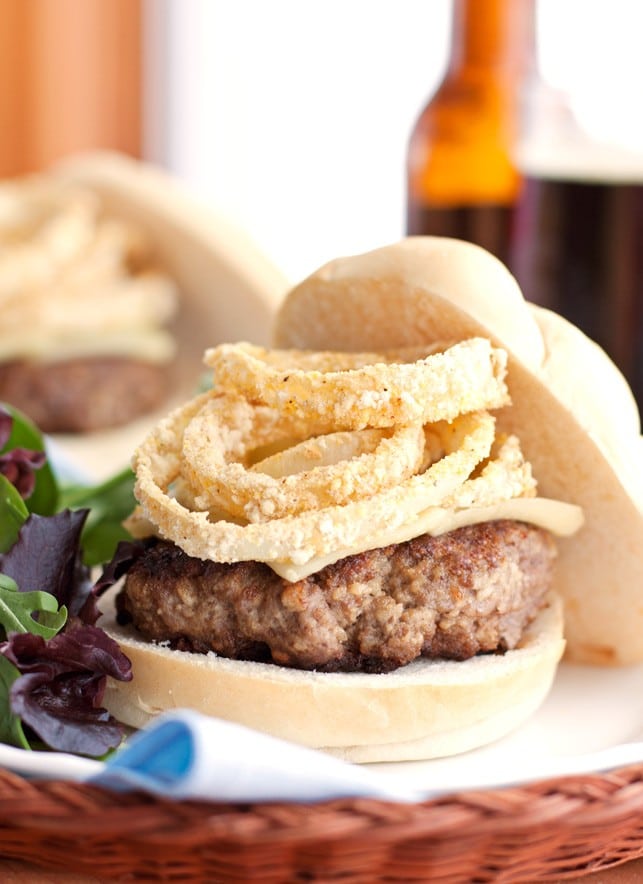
427 709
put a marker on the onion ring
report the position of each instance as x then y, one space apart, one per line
158 461
368 390
45 233
345 465
508 470
505 475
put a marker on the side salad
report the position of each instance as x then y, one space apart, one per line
54 660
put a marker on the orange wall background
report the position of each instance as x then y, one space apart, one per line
70 79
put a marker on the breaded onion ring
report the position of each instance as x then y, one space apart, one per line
504 476
158 461
368 390
326 470
45 230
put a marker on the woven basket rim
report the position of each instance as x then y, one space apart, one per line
548 830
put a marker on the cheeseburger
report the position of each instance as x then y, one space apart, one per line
377 537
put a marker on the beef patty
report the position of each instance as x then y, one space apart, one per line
469 591
84 394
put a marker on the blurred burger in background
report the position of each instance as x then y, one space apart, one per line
113 280
85 341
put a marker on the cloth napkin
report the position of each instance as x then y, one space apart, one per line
185 754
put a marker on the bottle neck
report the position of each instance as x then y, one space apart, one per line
495 34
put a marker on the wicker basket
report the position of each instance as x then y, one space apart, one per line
545 831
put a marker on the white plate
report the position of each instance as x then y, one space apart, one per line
56 765
591 721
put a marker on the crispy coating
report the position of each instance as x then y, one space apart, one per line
367 390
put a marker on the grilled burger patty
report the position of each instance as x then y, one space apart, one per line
468 591
84 394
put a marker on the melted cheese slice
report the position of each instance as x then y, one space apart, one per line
561 519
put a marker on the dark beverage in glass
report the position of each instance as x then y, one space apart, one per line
578 249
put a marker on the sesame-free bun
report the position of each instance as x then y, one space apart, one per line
423 710
574 413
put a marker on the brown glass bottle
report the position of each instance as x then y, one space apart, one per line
461 178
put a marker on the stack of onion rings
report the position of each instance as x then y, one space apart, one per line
216 449
294 456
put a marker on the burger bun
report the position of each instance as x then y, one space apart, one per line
427 709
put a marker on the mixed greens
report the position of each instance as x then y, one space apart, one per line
54 660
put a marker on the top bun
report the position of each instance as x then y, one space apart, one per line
571 408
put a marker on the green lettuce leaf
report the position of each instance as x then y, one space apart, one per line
17 610
10 725
13 513
109 503
25 434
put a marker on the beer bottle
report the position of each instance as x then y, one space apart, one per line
461 178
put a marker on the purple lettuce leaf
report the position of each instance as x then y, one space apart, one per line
19 466
47 556
125 554
52 674
60 689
